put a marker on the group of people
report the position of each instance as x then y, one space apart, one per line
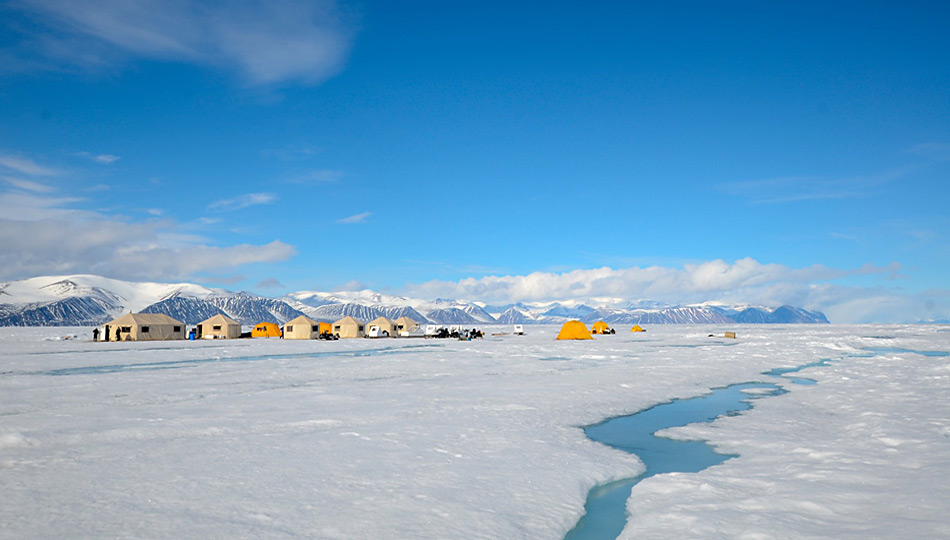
464 335
118 334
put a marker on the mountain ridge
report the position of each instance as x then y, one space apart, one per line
86 300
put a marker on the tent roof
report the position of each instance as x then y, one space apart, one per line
145 319
379 321
347 320
404 319
303 319
220 318
574 330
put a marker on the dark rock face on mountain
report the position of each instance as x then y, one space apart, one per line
187 310
72 311
781 315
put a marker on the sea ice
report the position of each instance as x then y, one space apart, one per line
447 439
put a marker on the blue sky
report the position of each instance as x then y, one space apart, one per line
680 152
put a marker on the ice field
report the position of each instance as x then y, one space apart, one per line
483 439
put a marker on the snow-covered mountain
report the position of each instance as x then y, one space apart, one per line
556 313
367 305
245 308
85 300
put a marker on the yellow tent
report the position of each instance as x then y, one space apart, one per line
266 329
637 328
600 327
574 330
324 327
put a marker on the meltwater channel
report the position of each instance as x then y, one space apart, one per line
606 507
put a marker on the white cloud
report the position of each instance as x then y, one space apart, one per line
745 281
40 236
27 185
26 166
358 218
318 176
241 202
105 159
810 188
266 42
352 285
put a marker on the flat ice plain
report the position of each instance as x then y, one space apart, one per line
441 439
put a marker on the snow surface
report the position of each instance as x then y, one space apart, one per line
417 438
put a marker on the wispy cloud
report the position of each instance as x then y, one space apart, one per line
293 152
241 202
358 218
270 283
105 159
25 166
934 151
266 42
27 185
810 188
317 176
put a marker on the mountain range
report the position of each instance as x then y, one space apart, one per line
87 300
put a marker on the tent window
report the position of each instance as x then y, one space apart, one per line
176 329
314 328
126 329
144 329
290 328
361 328
337 328
216 327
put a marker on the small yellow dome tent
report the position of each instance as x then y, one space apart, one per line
637 328
266 329
600 327
574 330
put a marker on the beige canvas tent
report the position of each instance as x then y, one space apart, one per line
348 327
302 327
219 327
405 325
144 327
381 327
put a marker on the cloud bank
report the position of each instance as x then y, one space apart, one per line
265 42
44 233
745 281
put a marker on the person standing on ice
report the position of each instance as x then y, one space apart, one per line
95 334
